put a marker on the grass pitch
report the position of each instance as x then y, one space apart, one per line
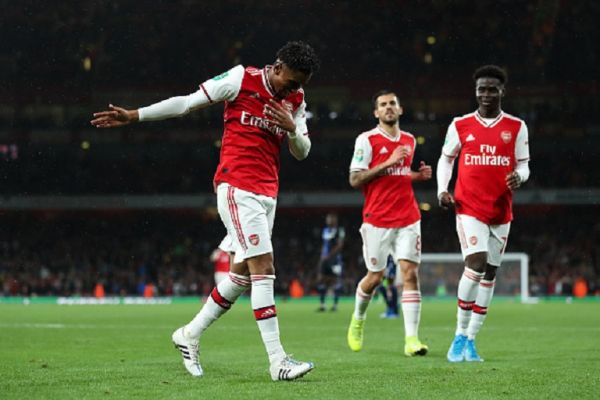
538 351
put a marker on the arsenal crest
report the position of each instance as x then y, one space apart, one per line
473 240
506 136
373 261
254 239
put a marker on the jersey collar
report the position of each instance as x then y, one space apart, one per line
387 135
488 124
265 79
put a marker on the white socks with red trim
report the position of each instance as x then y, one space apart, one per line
361 303
220 300
411 310
484 298
467 293
265 313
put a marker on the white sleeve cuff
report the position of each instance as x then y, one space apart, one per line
522 169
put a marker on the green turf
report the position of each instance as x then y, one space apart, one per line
109 352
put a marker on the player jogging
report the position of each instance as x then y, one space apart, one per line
381 166
493 157
263 106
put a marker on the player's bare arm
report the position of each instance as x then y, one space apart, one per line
423 174
359 178
114 117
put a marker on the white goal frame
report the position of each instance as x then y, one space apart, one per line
521 258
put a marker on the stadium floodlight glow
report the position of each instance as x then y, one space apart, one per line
511 280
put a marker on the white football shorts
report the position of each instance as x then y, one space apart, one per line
402 243
476 236
227 244
249 219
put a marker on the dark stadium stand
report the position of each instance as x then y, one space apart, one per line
58 67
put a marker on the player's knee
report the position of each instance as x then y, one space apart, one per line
490 272
261 264
477 262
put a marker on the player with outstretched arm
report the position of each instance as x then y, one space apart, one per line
263 107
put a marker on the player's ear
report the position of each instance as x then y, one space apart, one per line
502 91
277 67
376 113
401 110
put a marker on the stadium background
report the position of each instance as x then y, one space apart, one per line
133 206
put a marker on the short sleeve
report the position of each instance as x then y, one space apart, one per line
224 87
363 154
522 144
451 145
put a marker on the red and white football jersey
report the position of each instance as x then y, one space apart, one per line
250 152
389 199
489 150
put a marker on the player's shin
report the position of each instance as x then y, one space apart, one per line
361 302
265 313
218 303
484 298
467 293
337 292
322 290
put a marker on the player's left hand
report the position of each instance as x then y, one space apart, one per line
513 180
280 116
425 171
114 117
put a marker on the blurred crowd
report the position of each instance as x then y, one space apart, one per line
71 253
168 41
159 168
61 61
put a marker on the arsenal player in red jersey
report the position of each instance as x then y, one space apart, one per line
493 161
381 166
263 107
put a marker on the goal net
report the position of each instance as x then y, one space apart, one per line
439 274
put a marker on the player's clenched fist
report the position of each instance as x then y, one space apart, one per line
446 200
399 154
425 171
513 180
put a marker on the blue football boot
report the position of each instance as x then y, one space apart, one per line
471 352
456 352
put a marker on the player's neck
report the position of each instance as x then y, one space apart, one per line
391 129
488 113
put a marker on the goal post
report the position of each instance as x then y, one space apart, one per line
442 271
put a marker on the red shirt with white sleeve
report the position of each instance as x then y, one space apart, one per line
251 143
489 150
389 199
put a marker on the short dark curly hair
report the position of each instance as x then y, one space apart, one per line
299 56
491 71
380 93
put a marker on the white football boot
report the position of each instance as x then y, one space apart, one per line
189 352
289 369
